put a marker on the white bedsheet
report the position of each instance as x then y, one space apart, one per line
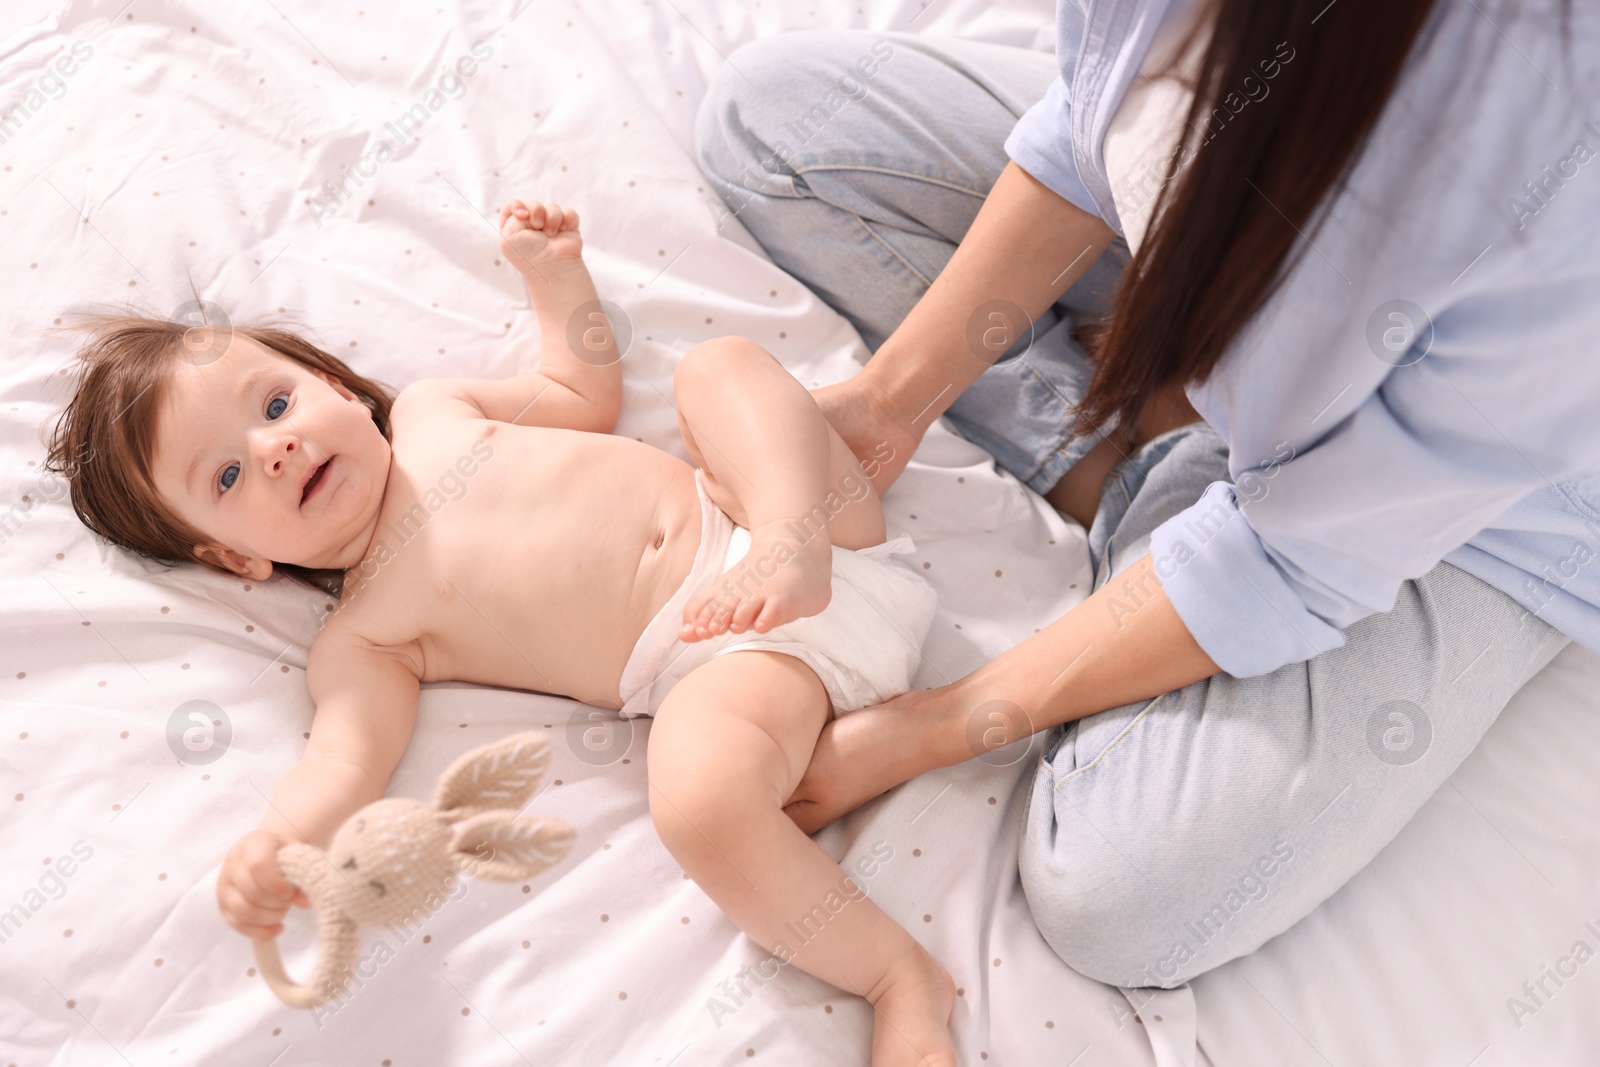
188 145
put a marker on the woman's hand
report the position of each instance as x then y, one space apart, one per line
252 892
530 235
861 415
868 752
1026 246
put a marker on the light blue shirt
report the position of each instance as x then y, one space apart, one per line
1425 384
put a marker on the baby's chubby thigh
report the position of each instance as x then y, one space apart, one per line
751 433
731 740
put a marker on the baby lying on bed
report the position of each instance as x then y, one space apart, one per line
496 532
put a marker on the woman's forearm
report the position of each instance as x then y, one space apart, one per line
1026 246
1124 643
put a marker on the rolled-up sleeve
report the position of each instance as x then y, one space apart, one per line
1041 144
1238 602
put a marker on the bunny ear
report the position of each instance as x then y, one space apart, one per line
502 848
502 775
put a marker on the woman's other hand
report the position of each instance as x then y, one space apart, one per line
861 415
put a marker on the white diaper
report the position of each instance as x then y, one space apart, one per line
865 645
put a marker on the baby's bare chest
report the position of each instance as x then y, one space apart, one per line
524 557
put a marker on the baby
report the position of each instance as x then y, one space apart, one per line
496 532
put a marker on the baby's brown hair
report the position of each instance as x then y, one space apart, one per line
103 443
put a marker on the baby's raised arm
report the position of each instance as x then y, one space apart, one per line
579 382
366 708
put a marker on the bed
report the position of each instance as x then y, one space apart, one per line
230 151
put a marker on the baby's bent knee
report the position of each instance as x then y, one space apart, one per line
718 357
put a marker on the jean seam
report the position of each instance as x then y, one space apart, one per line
1034 371
887 247
1069 437
785 182
1118 475
1104 562
1114 742
802 171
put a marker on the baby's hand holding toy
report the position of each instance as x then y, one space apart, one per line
252 893
539 233
395 859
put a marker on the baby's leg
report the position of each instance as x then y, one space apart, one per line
770 460
727 748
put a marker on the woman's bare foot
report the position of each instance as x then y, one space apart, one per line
1077 494
787 574
911 1014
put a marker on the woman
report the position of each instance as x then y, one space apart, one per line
1370 267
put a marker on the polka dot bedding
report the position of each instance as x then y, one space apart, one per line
148 712
340 165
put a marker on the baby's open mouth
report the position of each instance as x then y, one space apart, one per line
317 479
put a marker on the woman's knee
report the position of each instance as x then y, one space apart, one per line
1148 905
738 126
1097 924
1124 931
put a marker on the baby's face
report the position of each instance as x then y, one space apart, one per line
271 460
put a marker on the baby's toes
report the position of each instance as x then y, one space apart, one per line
691 610
694 619
745 616
705 622
722 618
774 613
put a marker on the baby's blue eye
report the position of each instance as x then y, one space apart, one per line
275 409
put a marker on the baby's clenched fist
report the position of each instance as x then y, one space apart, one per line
252 893
531 234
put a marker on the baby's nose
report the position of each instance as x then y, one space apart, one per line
279 449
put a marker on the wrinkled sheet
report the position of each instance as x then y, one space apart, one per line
190 148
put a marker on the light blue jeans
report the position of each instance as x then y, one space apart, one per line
1171 835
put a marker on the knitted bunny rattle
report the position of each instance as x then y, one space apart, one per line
389 857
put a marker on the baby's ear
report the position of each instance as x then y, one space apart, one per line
258 570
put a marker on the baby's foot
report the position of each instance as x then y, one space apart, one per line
911 1014
781 578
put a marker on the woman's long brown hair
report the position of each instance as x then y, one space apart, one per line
1227 230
